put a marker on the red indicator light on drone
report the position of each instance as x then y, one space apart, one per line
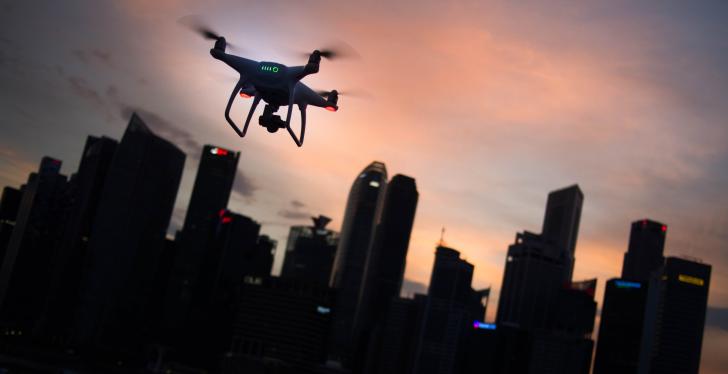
244 95
226 220
221 212
664 228
331 108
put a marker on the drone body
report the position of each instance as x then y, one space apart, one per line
277 85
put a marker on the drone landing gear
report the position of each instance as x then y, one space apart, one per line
272 122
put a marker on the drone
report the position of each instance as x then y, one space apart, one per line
276 84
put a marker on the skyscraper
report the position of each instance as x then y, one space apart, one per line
561 222
9 204
210 195
69 253
386 259
362 213
539 266
24 276
620 329
452 306
310 252
675 318
623 313
128 238
644 255
532 280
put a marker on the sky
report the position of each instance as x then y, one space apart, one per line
488 105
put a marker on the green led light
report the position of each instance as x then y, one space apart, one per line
273 69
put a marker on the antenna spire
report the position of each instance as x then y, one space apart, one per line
442 237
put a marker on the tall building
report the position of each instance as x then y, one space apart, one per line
644 254
127 239
310 252
532 281
452 306
69 253
24 276
234 253
363 210
620 329
623 313
210 195
675 318
561 222
399 336
538 266
9 203
386 260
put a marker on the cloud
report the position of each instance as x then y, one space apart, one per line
81 88
244 185
717 317
296 211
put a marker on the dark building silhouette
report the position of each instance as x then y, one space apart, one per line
644 255
566 346
280 321
210 195
310 252
127 239
539 266
69 253
386 261
561 222
25 272
399 337
451 308
675 318
623 312
9 204
620 329
532 281
234 253
363 209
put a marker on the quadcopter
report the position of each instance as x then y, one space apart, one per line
276 84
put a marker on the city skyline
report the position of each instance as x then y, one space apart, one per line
571 309
641 137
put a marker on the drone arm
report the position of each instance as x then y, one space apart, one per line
299 142
256 100
237 88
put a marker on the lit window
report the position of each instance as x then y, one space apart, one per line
690 280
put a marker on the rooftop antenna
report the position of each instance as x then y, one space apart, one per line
441 243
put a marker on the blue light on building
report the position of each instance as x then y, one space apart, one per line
483 325
627 284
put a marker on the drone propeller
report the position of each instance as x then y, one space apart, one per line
355 93
197 25
337 51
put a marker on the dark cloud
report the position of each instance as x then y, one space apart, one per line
244 185
717 317
294 214
94 56
410 287
81 88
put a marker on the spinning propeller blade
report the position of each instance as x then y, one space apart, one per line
350 93
196 24
336 51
